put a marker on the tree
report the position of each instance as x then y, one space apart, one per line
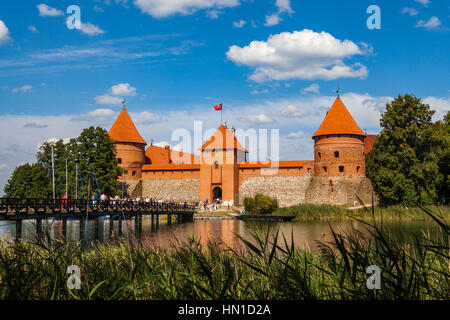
28 181
443 133
260 204
93 151
403 165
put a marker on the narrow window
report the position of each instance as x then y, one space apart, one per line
341 168
119 160
319 155
216 164
324 169
309 169
133 173
357 169
336 154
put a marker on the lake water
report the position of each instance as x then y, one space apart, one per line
306 233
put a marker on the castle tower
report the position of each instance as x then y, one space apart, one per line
339 144
130 146
219 169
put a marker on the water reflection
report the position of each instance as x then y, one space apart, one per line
306 234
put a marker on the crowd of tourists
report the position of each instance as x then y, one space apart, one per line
103 199
205 205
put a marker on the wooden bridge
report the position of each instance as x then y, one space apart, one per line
19 209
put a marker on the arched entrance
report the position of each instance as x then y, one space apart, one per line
216 193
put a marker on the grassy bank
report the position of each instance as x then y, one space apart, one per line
329 212
268 268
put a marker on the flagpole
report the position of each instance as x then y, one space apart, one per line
53 173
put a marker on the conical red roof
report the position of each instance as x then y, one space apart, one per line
123 129
338 121
223 138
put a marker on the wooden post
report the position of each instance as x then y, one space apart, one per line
64 228
39 233
120 225
153 221
82 227
111 225
18 229
169 219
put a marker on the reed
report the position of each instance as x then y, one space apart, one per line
330 212
267 267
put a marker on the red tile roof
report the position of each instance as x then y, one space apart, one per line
123 129
338 121
223 138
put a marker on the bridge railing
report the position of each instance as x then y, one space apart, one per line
62 206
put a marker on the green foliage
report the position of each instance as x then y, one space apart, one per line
92 149
309 211
28 181
404 163
260 204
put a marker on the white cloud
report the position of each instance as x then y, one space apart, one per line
100 116
284 6
97 8
259 118
424 2
165 8
24 88
115 94
272 20
239 24
299 134
314 87
108 100
440 105
432 23
410 11
33 29
293 111
123 89
146 117
299 55
4 33
46 11
263 91
90 29
213 14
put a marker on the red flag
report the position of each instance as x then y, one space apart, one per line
218 107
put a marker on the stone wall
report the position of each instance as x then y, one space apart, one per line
308 189
288 190
179 190
339 190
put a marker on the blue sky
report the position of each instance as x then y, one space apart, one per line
272 63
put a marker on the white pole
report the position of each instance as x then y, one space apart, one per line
53 173
67 188
76 181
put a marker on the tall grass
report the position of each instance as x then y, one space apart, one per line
310 211
269 267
